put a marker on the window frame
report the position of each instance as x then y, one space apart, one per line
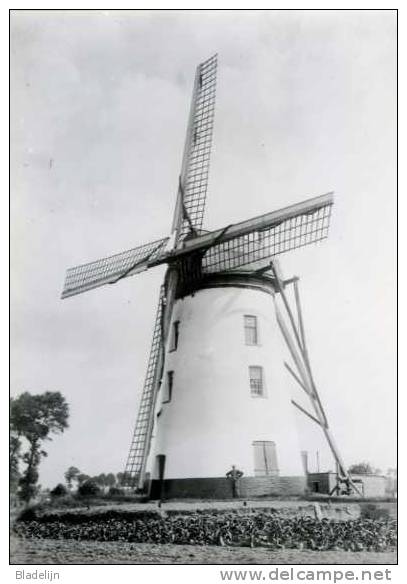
169 386
174 336
248 330
253 392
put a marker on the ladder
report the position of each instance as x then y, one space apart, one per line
140 444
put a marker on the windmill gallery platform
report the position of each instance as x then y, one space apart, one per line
226 339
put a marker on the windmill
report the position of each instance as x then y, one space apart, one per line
213 392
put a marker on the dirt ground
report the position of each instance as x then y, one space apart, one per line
34 551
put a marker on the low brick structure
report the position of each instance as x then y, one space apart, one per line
221 487
371 485
321 482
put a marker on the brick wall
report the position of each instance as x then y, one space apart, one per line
221 488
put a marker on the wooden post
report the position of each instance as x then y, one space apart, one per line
304 368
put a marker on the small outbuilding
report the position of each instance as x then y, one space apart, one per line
371 485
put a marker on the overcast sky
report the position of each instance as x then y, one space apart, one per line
305 105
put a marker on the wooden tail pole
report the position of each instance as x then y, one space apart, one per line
341 467
300 341
296 344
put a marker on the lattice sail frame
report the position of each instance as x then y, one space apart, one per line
195 166
142 431
243 245
111 269
248 249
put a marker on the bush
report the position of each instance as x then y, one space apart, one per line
27 514
67 500
374 512
114 491
88 489
59 491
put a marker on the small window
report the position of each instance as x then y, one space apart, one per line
169 386
250 330
256 381
174 336
265 458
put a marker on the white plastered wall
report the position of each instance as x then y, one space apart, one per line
212 419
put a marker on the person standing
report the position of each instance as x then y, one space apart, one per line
234 476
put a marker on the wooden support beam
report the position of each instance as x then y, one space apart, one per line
302 349
304 411
297 379
280 285
290 280
304 368
293 349
305 351
299 315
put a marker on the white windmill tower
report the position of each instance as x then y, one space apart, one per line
215 392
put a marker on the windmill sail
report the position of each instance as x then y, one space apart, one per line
251 249
140 443
193 181
111 269
248 245
260 238
243 244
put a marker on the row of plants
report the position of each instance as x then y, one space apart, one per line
256 529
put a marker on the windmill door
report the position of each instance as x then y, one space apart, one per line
265 458
160 472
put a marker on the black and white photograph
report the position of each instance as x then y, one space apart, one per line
203 274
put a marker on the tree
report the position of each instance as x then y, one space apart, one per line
35 418
70 475
110 480
100 480
361 468
81 478
15 455
28 486
120 478
59 490
88 488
